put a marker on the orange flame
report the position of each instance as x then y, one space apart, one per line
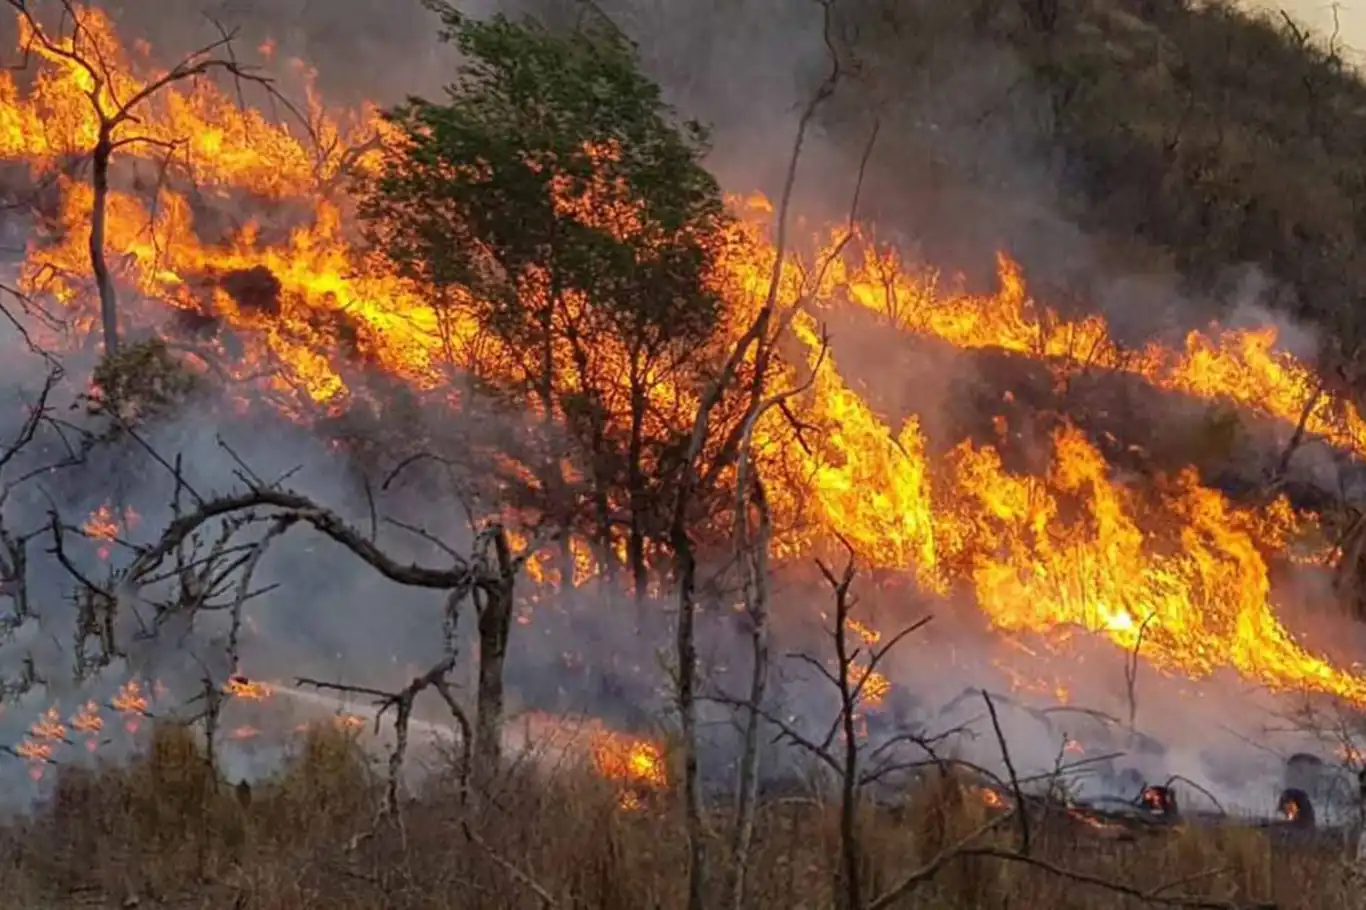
634 763
104 525
43 737
241 687
132 703
990 797
88 721
1068 548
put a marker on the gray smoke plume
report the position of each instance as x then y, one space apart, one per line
953 186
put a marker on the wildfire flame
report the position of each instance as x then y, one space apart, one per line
132 703
990 797
88 721
1067 548
241 687
105 525
43 737
637 764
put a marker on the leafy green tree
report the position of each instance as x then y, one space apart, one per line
553 198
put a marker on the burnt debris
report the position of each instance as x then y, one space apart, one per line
195 324
254 289
1296 809
1160 802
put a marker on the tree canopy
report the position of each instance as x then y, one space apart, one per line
555 199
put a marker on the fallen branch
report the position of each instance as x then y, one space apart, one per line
511 868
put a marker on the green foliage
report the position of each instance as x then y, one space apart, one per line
143 381
470 202
553 198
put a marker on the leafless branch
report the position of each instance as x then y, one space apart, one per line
402 704
1021 811
1131 666
511 868
909 883
1156 895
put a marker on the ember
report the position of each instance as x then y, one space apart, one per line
1160 802
1296 808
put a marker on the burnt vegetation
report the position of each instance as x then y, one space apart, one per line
550 177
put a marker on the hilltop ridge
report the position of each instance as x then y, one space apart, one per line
1187 147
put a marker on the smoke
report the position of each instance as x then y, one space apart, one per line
947 178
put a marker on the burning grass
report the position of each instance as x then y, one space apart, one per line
1063 547
163 829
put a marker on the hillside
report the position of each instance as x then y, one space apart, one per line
1187 141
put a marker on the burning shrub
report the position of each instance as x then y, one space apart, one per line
142 381
576 221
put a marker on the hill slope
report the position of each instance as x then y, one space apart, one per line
1192 139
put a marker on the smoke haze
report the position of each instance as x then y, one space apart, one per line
953 189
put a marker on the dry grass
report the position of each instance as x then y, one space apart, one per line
159 832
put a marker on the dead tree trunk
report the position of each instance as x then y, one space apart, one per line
685 563
851 882
755 569
109 308
495 625
636 495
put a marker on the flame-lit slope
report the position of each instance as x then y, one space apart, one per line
1070 548
1241 367
225 144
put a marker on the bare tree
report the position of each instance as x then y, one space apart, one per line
759 345
1131 666
839 750
186 572
113 113
402 702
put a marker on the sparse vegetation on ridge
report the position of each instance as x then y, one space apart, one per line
1198 134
